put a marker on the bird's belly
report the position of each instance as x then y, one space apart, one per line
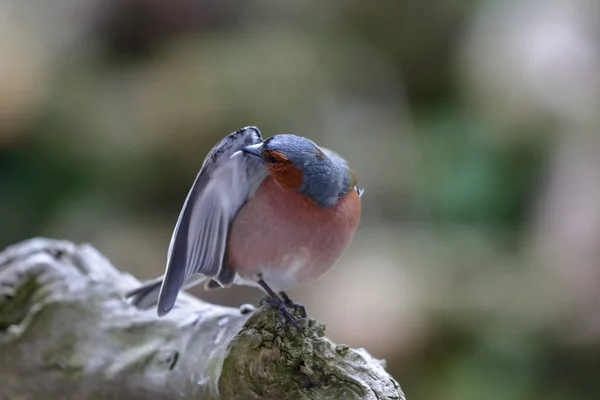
286 239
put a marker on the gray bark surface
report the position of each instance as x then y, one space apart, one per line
67 333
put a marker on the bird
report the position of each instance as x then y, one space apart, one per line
271 213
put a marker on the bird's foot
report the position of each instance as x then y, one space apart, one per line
293 305
275 301
283 311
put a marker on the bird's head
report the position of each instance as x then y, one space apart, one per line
298 164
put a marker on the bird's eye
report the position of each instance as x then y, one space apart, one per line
273 160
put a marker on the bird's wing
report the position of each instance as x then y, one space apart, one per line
225 181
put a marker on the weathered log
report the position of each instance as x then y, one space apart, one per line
67 333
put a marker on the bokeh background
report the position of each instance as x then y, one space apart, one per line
472 125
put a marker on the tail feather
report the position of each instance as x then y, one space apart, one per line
146 296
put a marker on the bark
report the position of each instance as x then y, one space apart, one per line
67 333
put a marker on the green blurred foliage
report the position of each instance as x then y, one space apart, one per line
131 109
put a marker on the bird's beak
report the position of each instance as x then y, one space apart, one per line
254 149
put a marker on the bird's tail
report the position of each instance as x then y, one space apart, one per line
146 296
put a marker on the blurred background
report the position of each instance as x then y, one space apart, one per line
472 125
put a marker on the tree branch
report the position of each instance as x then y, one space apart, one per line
66 332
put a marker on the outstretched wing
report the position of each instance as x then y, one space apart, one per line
222 186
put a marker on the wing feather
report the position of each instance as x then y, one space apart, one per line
225 182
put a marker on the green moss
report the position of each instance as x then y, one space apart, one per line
265 361
15 306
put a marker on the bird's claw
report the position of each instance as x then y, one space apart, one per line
296 306
282 307
290 304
